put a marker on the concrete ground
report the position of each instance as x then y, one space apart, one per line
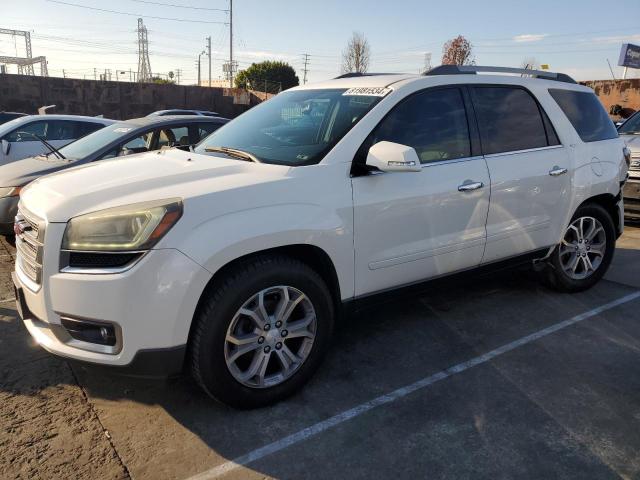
504 390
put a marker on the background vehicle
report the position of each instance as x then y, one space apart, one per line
119 139
175 111
19 137
630 132
237 257
7 116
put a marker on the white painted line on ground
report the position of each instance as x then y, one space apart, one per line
320 427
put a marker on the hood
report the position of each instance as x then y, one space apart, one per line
149 176
21 172
632 141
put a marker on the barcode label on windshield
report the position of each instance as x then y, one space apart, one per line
368 91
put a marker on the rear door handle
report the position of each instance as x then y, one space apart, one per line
469 186
556 171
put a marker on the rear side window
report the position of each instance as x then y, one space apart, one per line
586 114
433 122
509 120
85 128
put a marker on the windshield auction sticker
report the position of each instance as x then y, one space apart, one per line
368 91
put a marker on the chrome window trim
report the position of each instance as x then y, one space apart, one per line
526 150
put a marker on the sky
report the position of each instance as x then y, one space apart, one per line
572 36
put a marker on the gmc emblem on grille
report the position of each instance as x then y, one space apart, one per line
20 226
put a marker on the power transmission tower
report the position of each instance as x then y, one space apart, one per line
25 64
144 65
306 62
178 73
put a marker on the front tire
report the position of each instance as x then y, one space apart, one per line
261 332
585 253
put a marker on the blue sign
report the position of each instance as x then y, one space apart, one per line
629 56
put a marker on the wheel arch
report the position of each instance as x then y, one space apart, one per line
311 255
610 203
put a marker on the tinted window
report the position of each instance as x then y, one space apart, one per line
85 128
206 129
632 125
552 136
509 119
586 114
61 130
433 122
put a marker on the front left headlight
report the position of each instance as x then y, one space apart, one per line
122 229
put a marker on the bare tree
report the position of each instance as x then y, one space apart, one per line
356 57
458 51
530 63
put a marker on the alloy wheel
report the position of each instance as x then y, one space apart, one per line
270 337
583 248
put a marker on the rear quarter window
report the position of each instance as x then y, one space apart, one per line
586 114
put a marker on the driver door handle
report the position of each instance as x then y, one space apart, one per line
469 186
556 171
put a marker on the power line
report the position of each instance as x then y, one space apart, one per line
181 6
134 14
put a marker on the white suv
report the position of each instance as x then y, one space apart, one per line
236 259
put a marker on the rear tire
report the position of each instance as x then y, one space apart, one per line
585 253
276 290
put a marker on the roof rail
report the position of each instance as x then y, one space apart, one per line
360 74
473 69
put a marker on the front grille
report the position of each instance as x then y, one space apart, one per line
635 163
29 245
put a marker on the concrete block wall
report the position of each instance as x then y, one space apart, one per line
118 100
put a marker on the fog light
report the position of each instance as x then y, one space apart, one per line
89 331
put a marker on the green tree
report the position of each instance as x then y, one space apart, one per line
273 76
161 80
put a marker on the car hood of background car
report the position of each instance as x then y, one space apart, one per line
632 141
17 174
140 178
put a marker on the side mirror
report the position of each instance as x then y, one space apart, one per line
393 157
6 147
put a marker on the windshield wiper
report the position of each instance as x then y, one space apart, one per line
53 149
234 152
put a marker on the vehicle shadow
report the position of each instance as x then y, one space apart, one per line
170 429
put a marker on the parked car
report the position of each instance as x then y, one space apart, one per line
35 134
6 116
116 140
202 113
630 132
236 259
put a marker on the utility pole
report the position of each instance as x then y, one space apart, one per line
305 70
95 73
63 74
177 76
230 43
209 53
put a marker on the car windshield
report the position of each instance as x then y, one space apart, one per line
293 128
631 126
95 141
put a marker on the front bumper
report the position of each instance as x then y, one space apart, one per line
151 306
8 211
631 194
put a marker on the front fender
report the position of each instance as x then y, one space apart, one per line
220 240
